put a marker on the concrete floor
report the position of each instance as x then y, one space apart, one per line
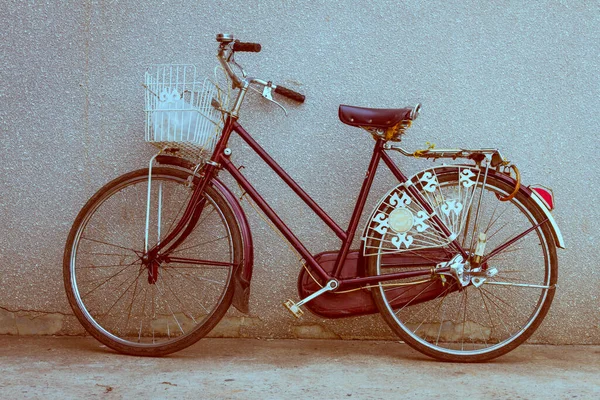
76 367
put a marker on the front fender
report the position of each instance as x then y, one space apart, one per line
243 274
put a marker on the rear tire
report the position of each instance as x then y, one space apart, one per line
473 324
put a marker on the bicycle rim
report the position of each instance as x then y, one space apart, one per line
108 286
445 320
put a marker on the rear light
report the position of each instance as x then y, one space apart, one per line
545 194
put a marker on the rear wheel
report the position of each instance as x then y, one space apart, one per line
501 301
110 288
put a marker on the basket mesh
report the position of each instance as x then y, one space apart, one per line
182 112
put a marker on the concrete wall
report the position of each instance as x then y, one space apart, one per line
520 76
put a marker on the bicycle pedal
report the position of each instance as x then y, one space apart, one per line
293 308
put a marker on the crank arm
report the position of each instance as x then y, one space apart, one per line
294 308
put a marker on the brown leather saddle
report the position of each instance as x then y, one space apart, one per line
381 118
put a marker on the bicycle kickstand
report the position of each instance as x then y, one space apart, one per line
294 308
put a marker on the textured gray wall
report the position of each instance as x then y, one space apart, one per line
521 76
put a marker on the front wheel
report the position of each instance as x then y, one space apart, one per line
501 301
111 290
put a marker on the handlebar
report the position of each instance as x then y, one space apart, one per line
228 46
245 46
290 94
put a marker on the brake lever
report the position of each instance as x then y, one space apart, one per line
232 61
267 95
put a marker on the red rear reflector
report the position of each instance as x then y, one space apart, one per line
545 194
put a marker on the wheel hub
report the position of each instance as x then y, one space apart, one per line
463 272
151 263
460 270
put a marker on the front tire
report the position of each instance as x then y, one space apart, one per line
108 286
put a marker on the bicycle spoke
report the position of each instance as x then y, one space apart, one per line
205 217
105 281
170 309
179 212
143 315
440 304
183 307
178 250
93 253
199 301
492 325
123 332
506 252
130 308
464 322
415 297
108 266
505 303
510 242
125 291
436 307
496 308
113 245
198 278
498 230
493 220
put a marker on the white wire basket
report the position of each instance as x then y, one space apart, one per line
182 112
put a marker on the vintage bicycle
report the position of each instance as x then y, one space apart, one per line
459 259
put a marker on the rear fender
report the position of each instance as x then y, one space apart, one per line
243 273
543 208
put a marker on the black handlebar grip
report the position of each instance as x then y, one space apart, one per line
243 46
290 94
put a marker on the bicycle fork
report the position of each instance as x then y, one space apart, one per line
152 258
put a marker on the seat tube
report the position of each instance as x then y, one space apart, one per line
360 204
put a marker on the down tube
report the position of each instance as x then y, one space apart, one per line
319 212
289 235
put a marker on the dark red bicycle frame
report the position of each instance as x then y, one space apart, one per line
221 160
